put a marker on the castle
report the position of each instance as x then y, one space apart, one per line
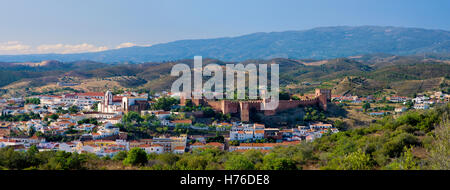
245 107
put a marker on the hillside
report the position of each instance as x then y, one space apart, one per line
317 43
362 75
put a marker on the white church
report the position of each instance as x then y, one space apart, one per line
110 106
123 105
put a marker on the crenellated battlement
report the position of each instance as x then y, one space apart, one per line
243 107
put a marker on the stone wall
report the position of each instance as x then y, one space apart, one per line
245 107
289 104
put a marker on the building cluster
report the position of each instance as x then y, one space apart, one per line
424 102
353 99
419 102
101 147
258 132
106 109
94 124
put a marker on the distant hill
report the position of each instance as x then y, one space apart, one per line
14 71
359 75
318 43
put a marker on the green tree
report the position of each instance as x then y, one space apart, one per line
95 106
132 117
295 98
54 116
234 143
136 157
32 101
284 95
409 104
440 151
120 156
73 109
88 121
341 125
32 150
239 162
13 159
165 103
405 162
273 162
366 106
354 161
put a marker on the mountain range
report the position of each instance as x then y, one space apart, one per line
317 43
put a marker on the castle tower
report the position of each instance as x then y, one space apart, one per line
245 111
182 99
323 100
323 95
325 92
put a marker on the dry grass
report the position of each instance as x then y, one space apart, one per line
405 88
88 85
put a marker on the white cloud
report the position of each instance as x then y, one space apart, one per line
125 45
68 48
16 47
12 46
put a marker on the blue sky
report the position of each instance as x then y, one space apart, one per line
68 26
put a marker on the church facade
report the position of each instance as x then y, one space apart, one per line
122 104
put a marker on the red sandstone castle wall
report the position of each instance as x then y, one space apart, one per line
245 107
216 105
182 101
230 106
197 101
323 99
256 104
245 111
289 104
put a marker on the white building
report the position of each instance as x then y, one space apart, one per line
120 104
108 106
320 125
421 106
247 132
420 99
158 149
399 110
50 100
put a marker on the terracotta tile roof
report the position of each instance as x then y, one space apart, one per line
91 94
259 131
117 98
179 148
162 112
185 121
245 150
198 144
214 144
149 145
